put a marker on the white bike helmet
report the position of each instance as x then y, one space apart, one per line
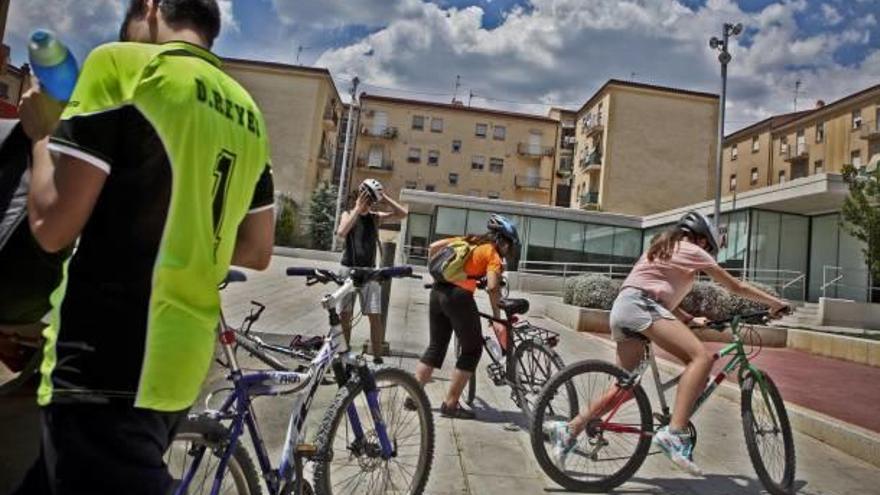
373 189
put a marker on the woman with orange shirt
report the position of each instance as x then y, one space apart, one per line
452 308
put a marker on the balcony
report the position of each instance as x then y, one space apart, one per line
383 165
593 126
531 182
330 119
591 161
568 143
565 167
590 200
794 153
534 150
383 133
870 130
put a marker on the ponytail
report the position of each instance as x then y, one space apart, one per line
663 244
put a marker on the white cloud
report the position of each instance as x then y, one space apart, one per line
832 16
226 15
561 51
338 13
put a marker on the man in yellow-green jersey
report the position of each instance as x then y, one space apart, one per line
162 173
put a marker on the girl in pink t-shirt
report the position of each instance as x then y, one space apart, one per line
647 305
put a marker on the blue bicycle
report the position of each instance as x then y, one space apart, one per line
368 442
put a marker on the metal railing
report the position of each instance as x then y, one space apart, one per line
590 198
828 283
870 130
384 133
382 165
529 182
534 150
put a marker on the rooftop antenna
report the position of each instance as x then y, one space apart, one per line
797 87
632 76
299 50
457 85
470 97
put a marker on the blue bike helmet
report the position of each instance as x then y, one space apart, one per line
503 228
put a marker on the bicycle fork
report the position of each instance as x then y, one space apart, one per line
387 450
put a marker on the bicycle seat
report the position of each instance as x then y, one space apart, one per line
514 306
233 276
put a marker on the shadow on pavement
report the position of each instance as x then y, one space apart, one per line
714 484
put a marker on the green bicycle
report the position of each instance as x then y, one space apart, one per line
616 440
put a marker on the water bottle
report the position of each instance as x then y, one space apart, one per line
53 64
494 348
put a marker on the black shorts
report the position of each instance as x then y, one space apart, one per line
102 449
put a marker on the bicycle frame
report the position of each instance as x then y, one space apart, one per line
238 406
738 361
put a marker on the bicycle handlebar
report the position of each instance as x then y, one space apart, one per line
752 316
359 275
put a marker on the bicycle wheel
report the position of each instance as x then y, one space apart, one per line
770 443
613 446
201 434
532 366
470 389
344 466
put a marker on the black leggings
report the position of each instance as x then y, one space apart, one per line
453 309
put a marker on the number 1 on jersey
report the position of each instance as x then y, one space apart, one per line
225 164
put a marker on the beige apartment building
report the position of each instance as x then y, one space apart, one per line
567 123
302 109
796 145
456 149
641 149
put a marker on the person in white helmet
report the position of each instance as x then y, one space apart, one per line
648 307
359 226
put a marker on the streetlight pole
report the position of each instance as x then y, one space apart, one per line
723 57
346 155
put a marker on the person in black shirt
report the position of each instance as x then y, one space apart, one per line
360 228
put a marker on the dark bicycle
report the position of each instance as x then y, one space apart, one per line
391 452
523 358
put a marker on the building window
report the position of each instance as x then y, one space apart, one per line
430 187
411 184
415 155
433 158
418 122
480 130
496 165
855 158
734 152
453 179
4 90
436 125
475 193
499 133
782 176
492 195
856 119
818 166
753 179
783 145
456 145
478 162
820 132
756 145
732 185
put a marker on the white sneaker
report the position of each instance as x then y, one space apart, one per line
561 438
678 449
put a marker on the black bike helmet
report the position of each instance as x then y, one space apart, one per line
698 224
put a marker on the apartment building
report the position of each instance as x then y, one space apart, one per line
456 149
796 145
567 123
642 149
302 109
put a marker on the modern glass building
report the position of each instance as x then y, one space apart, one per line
788 236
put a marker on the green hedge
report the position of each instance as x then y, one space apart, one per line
706 299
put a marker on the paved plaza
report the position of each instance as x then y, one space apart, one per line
484 456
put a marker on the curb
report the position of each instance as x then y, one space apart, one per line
845 437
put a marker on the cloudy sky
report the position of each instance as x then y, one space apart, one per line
528 54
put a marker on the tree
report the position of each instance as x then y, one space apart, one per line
322 212
861 216
285 224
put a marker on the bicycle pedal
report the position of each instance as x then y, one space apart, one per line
307 450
